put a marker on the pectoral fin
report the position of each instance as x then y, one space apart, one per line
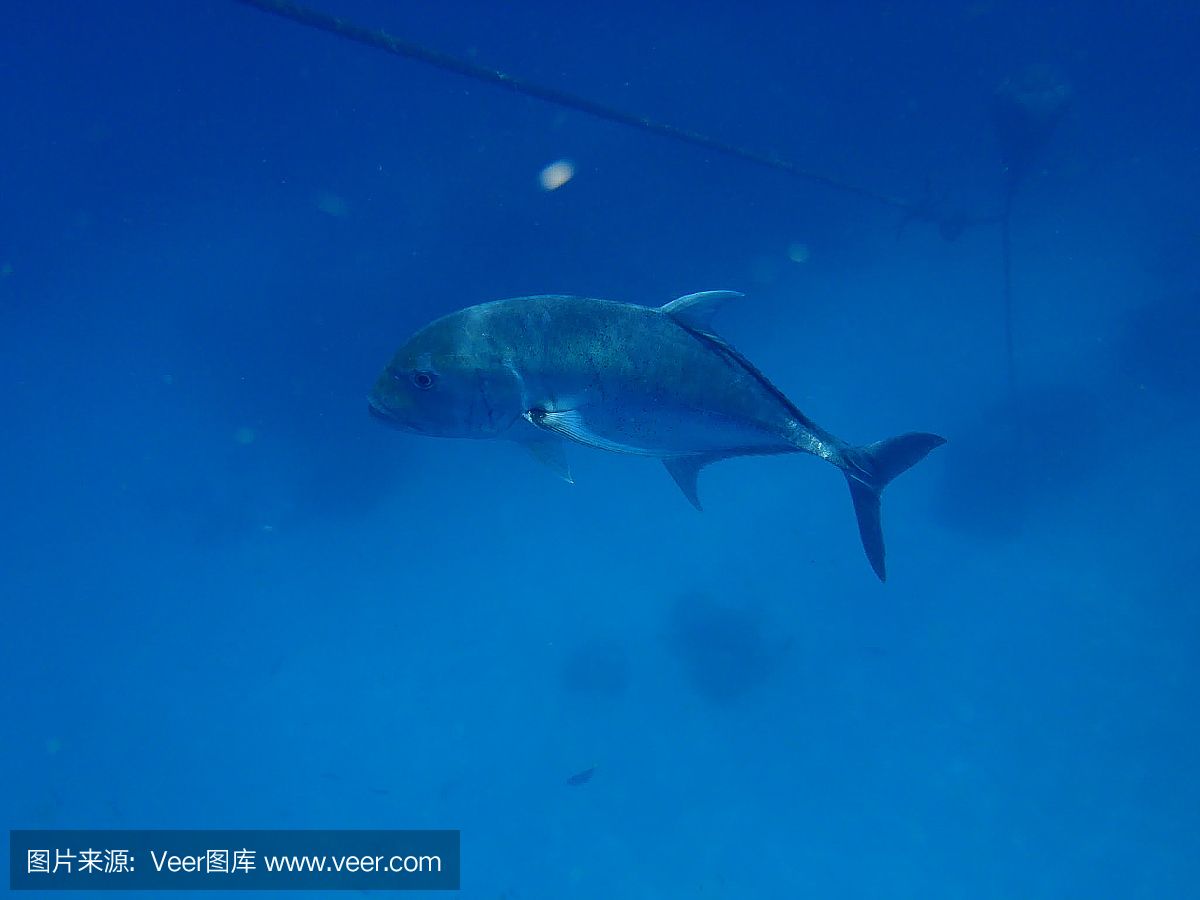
550 452
571 424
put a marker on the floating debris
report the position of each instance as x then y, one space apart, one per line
799 253
244 436
556 175
331 204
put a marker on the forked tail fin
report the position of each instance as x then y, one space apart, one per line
868 471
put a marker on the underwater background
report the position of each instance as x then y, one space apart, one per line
232 600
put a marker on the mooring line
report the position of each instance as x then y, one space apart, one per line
950 225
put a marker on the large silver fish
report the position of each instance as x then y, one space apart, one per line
647 381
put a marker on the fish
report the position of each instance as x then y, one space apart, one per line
658 382
582 777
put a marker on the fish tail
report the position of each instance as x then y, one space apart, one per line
868 470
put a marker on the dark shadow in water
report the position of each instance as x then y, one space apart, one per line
1013 462
726 652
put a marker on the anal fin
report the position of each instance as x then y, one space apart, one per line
686 470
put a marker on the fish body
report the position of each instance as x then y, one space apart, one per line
632 379
581 777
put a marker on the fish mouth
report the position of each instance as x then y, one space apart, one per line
382 413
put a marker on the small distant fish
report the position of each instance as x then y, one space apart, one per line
582 777
656 383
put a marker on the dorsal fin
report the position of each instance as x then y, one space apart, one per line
695 311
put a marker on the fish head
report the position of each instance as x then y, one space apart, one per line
438 384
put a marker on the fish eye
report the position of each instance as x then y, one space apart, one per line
422 379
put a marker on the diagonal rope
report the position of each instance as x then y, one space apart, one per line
950 225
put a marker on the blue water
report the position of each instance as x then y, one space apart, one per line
233 600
